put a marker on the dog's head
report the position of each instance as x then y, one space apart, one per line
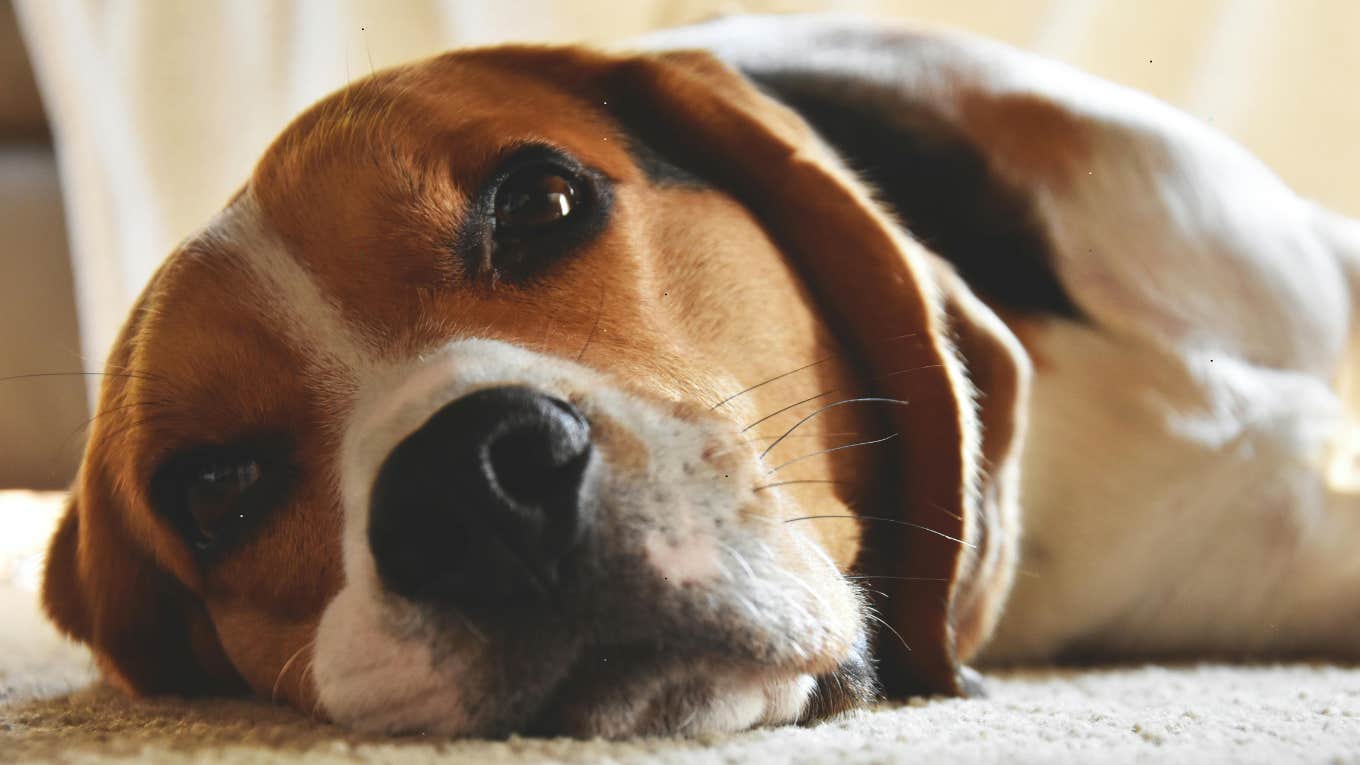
534 389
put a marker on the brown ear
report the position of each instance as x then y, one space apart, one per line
999 370
148 633
880 289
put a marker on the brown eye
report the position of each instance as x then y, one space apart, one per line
536 209
214 493
532 199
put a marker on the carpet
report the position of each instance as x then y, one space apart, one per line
52 709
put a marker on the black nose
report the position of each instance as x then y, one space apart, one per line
478 506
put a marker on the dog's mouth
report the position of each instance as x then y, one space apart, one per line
674 601
623 652
646 689
687 661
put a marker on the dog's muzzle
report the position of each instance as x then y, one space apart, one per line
478 507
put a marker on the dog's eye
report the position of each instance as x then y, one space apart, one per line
537 207
214 495
533 198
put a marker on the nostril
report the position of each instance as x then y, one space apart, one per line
570 411
482 503
535 467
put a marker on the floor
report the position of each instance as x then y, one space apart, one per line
52 709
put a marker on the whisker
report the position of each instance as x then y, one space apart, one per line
822 360
548 328
468 624
36 375
65 443
111 410
743 392
787 408
879 619
888 437
753 439
738 557
742 443
842 402
902 578
309 671
816 596
274 692
369 51
946 511
599 313
907 371
800 480
833 390
908 524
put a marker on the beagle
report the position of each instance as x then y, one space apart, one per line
792 362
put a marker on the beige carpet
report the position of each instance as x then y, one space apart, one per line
50 712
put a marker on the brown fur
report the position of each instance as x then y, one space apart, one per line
688 295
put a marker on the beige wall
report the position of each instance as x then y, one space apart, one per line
39 416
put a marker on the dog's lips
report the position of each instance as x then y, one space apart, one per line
561 671
646 689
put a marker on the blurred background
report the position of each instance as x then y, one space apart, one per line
125 124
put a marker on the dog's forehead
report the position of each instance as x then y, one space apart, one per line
368 189
432 128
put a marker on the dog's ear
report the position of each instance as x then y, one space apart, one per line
906 318
149 634
999 370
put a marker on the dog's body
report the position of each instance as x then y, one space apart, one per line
1122 335
1188 481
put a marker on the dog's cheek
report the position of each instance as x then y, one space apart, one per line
269 654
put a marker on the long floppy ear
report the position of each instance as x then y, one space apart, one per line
148 633
999 370
882 291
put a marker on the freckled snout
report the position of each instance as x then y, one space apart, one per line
479 505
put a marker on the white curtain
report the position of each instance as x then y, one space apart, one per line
161 106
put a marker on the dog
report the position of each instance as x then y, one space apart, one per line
788 363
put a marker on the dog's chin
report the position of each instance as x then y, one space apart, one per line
438 674
636 691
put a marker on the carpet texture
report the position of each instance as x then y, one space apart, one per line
52 709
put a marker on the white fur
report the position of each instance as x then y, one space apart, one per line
373 663
1189 469
339 358
381 664
1176 491
1190 472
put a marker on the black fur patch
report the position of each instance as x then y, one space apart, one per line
660 170
939 185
